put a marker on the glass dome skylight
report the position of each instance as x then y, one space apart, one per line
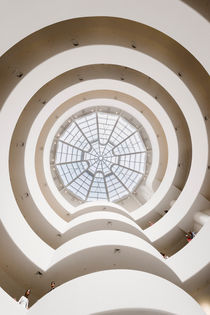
100 156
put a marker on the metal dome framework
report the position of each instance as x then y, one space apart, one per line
100 156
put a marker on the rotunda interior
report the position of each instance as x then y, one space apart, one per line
105 128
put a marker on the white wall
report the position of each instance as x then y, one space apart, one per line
116 290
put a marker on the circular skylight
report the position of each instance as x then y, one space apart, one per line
100 156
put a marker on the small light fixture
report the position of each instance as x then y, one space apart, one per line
133 44
75 42
19 74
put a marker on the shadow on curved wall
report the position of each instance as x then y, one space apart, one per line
201 6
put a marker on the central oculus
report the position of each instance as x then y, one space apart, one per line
100 156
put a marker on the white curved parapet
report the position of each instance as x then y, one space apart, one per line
101 220
116 291
8 306
190 22
198 248
101 250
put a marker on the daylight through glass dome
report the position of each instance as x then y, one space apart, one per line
100 156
